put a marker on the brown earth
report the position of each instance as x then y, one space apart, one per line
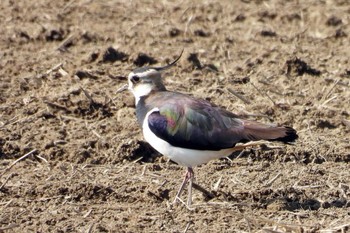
85 167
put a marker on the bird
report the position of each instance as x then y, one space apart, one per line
188 130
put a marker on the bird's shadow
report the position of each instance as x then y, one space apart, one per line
286 203
144 152
282 199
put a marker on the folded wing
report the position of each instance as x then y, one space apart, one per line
192 123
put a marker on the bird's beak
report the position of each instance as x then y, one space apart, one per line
122 88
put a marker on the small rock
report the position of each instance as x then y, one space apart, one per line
240 18
340 33
268 33
55 35
93 56
201 33
174 32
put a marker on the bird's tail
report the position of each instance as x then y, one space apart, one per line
254 131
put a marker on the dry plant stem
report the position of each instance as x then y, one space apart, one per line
263 94
331 89
88 96
56 106
248 224
247 145
7 179
90 228
273 179
187 227
185 204
56 67
9 227
63 46
217 184
67 6
19 159
49 71
245 100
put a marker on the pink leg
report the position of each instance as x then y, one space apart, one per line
188 178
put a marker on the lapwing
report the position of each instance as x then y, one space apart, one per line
188 130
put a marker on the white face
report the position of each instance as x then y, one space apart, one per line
140 88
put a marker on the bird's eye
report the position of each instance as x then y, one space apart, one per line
135 79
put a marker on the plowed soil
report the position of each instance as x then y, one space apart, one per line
73 159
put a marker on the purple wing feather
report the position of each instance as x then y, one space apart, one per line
184 121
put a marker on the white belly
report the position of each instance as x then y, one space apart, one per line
182 156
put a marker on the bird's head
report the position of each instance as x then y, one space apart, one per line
144 80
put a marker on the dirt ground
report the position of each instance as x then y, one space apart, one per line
72 157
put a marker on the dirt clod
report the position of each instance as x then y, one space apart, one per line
144 59
334 21
112 55
193 59
298 67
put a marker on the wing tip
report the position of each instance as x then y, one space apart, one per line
290 136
